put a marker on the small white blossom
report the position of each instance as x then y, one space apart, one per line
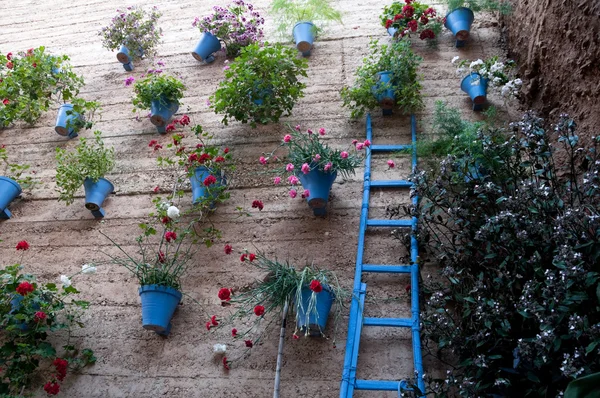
173 212
88 269
455 59
475 64
220 348
66 281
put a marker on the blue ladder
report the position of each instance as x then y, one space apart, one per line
349 381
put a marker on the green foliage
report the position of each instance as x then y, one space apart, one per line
397 58
268 73
290 12
481 5
157 86
31 81
14 171
87 161
134 28
27 339
85 111
516 233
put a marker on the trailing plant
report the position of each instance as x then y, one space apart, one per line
281 284
397 58
412 17
31 81
35 317
502 6
14 171
261 85
237 25
156 86
85 112
91 161
498 74
518 247
136 29
290 12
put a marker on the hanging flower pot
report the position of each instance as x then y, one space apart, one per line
476 87
207 45
96 193
124 58
201 191
62 119
158 306
319 185
15 305
392 31
161 112
9 190
304 36
315 320
459 21
387 98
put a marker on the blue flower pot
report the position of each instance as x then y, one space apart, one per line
9 190
15 305
319 185
477 92
392 31
314 321
63 118
161 112
207 45
304 36
459 21
199 190
158 306
387 98
95 193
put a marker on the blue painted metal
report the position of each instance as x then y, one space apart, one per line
349 382
476 87
314 320
459 21
304 36
206 47
161 111
95 194
63 119
158 306
318 184
9 190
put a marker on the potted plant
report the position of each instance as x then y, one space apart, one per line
403 18
387 78
86 166
74 116
315 165
236 25
160 94
482 74
12 182
134 32
305 18
261 85
461 15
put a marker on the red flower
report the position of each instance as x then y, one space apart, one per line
388 23
251 257
52 388
316 286
199 146
225 294
408 11
259 310
233 332
248 343
407 288
9 65
424 19
165 220
30 51
295 336
176 137
9 56
152 143
170 127
243 257
219 159
208 325
22 245
61 368
430 11
161 257
209 181
157 147
34 65
398 16
257 204
228 249
39 316
413 25
427 34
180 150
213 320
193 158
226 150
185 120
24 288
225 363
6 101
204 157
156 189
170 235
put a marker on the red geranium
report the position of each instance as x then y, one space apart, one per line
413 25
152 143
6 101
398 16
408 11
61 368
243 257
259 310
225 294
185 120
9 56
316 286
251 257
52 388
257 204
226 150
225 363
427 34
39 316
219 159
170 127
228 249
388 23
22 245
9 65
170 235
24 288
209 181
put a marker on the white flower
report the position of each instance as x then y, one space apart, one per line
497 81
173 212
505 90
497 67
483 72
518 82
455 59
220 348
66 281
88 269
475 63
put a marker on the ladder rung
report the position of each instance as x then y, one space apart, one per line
389 223
391 184
392 269
388 322
377 385
390 148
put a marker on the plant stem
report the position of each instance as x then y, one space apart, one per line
280 350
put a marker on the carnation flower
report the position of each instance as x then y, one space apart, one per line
257 204
293 193
287 138
262 160
88 269
322 131
277 180
172 212
391 164
170 236
225 294
259 310
289 167
293 180
219 348
316 286
305 168
228 249
22 245
344 155
65 280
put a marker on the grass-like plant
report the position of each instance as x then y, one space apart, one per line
290 12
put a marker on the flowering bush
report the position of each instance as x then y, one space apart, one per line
237 25
397 58
261 85
412 17
480 5
33 316
156 86
281 285
498 74
290 12
518 246
134 28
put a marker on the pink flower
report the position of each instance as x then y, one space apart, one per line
305 194
309 131
297 127
305 168
327 167
367 143
391 164
344 155
277 180
289 167
129 81
359 146
293 193
322 131
317 157
262 160
226 67
287 138
293 180
354 142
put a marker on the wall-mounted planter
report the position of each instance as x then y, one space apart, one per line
15 305
476 87
304 37
161 112
62 120
124 57
199 190
96 193
158 306
392 31
387 98
459 21
315 323
319 186
9 190
206 47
